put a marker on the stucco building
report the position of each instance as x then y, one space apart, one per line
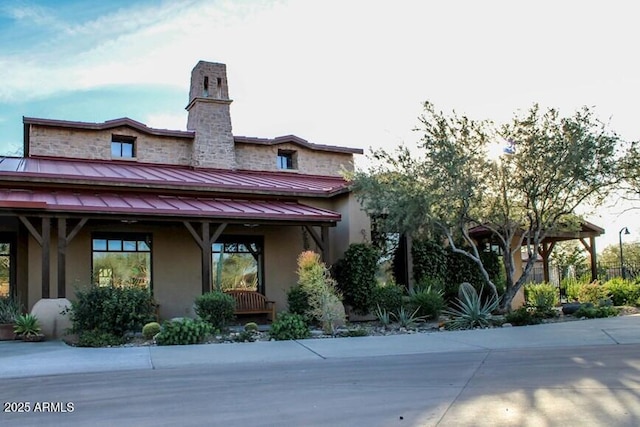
180 212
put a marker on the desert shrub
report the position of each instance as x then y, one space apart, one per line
387 296
621 291
543 297
408 318
10 309
523 316
298 301
289 326
592 312
324 298
592 292
215 308
96 338
110 309
571 287
470 311
183 332
356 275
251 327
150 330
427 302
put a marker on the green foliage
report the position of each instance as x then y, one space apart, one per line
407 319
215 308
621 291
358 332
10 309
572 288
245 336
150 330
183 332
610 255
543 297
461 268
383 316
325 300
469 311
251 327
593 293
429 260
289 326
557 164
298 301
27 325
96 338
591 312
523 316
427 302
387 296
356 275
111 309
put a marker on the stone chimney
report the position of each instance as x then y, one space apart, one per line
210 118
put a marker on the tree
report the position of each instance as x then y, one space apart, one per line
555 165
568 256
611 254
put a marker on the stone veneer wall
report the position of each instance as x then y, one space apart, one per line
312 162
96 145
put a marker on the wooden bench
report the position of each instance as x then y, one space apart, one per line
252 302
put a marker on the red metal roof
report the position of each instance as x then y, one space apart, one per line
167 176
160 205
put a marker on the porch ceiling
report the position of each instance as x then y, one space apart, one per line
137 204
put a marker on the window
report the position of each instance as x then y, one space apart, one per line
123 147
7 265
238 263
122 260
287 159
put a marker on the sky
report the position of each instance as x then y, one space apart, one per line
339 72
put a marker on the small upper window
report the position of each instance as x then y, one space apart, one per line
287 159
123 147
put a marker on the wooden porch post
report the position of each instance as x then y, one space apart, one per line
63 243
205 240
546 252
321 240
591 248
44 240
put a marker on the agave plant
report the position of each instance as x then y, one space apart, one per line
383 316
406 319
469 311
27 325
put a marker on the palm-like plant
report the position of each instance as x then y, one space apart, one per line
469 311
27 325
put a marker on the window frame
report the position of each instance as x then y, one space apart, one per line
11 239
123 237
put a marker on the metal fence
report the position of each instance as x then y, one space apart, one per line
606 271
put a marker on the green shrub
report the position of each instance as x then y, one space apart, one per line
522 317
591 312
112 310
183 332
543 297
251 327
387 296
215 308
27 325
150 330
298 301
429 260
407 318
96 338
593 293
289 326
356 275
427 302
571 288
622 292
469 311
10 309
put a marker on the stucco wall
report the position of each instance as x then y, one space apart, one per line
96 144
313 162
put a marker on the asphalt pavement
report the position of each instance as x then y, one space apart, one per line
19 359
